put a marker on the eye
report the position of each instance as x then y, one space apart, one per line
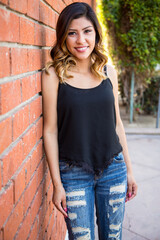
88 31
71 33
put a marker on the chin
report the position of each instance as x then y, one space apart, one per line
82 57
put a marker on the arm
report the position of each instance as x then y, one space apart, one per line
132 186
50 135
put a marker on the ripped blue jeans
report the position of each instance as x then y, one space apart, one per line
106 191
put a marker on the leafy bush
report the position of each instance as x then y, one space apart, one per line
150 97
135 32
133 29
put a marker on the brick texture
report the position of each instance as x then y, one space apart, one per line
27 31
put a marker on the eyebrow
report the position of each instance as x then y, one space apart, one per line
82 29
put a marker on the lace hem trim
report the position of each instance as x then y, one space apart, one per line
87 167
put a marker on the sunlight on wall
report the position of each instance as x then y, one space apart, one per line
104 30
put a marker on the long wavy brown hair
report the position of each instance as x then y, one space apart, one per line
62 59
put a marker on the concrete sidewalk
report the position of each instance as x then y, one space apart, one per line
142 215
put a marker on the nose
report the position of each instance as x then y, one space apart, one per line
80 38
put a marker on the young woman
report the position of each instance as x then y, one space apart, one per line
84 137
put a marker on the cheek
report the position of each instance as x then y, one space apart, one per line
92 42
92 39
69 43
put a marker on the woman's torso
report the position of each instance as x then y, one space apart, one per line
86 124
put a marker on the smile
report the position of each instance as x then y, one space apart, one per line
81 49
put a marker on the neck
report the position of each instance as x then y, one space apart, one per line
82 66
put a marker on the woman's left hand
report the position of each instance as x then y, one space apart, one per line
131 187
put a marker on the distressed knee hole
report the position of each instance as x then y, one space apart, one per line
115 227
114 202
75 198
82 230
86 237
114 236
118 189
75 193
72 216
76 203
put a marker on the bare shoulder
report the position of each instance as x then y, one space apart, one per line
51 71
111 72
51 79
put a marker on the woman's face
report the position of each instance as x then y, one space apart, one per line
81 38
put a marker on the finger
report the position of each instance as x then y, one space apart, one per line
134 191
129 191
60 208
64 205
126 200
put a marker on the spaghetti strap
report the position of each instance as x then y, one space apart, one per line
105 69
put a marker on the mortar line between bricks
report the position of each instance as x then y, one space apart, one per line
10 62
24 161
26 16
17 108
18 76
64 2
47 4
32 226
137 234
43 199
49 223
0 104
50 217
22 45
8 185
10 181
8 149
53 226
1 169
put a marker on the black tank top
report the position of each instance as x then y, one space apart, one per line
86 126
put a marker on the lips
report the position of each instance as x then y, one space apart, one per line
81 49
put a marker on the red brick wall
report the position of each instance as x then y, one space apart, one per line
27 30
